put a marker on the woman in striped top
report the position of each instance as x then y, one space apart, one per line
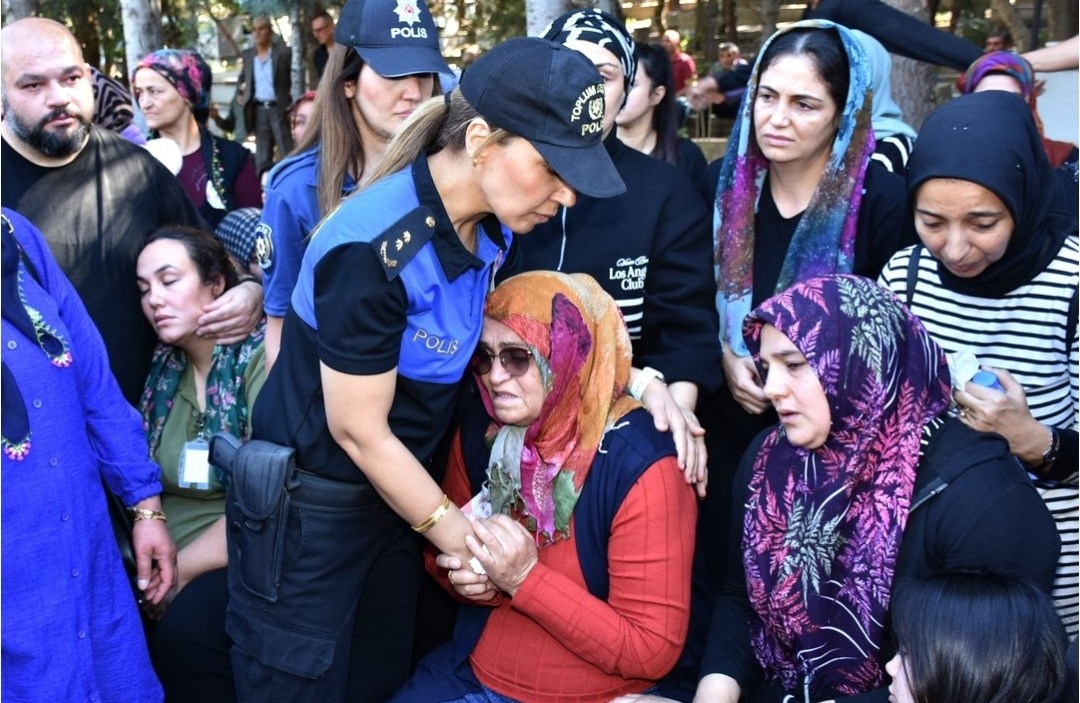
996 274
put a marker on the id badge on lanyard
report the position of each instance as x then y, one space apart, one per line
194 468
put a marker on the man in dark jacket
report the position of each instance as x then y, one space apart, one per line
264 91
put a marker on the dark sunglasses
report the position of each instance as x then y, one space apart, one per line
514 360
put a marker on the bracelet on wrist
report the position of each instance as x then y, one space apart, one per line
145 514
644 377
249 279
433 519
1049 456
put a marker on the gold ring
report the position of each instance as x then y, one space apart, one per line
450 576
963 412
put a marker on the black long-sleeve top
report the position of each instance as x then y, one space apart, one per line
899 32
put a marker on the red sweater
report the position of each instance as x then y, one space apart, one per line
554 642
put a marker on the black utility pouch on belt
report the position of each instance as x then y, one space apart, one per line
261 475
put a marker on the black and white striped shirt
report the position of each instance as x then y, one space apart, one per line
1023 332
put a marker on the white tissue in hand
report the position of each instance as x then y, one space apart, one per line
963 364
475 564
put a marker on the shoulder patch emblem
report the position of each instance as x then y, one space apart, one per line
264 246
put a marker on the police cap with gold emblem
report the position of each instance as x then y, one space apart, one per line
553 97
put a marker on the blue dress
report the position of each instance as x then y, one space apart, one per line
70 627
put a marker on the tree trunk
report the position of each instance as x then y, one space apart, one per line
87 32
20 9
932 7
731 28
912 81
1062 19
659 18
1006 14
222 30
770 13
706 25
612 7
142 28
296 41
540 13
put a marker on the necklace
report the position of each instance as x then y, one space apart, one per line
217 172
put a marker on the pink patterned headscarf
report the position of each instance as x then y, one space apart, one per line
822 527
186 71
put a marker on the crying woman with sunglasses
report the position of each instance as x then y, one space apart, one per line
583 524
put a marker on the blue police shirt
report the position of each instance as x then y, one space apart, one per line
290 213
385 282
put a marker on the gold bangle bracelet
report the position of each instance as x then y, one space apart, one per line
433 519
145 514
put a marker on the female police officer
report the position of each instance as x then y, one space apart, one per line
379 332
376 76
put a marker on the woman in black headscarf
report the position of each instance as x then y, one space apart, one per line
995 275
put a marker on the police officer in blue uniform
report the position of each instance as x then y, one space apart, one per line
377 336
382 66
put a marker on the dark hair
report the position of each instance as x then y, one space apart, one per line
1004 35
979 638
307 97
653 62
322 15
825 51
206 252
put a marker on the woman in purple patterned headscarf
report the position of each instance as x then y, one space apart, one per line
845 495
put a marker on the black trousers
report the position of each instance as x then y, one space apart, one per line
341 628
189 647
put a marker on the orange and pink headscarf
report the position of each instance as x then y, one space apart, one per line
577 337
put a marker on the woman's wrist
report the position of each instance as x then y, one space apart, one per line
1031 444
146 509
641 380
685 394
1037 450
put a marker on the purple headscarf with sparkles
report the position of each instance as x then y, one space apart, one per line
822 527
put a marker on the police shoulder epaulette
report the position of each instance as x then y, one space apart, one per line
399 243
